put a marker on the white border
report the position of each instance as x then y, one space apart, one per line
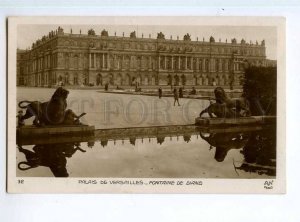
70 185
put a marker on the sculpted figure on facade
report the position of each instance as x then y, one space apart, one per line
60 30
187 37
43 64
91 32
133 34
160 35
104 33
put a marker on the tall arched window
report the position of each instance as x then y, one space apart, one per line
200 64
67 60
217 65
76 60
66 78
206 65
75 79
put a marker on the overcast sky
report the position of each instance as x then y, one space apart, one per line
27 34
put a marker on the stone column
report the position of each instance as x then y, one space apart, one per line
95 55
150 62
197 64
131 65
159 62
114 63
108 61
172 62
186 62
90 58
192 63
142 64
102 60
165 62
179 63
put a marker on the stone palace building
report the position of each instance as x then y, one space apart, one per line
90 59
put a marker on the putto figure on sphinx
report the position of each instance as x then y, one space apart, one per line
225 107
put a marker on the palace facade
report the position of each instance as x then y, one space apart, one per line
90 59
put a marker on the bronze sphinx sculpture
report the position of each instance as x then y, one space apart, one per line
225 107
52 112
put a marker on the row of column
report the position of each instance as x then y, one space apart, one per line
41 63
93 60
172 62
206 64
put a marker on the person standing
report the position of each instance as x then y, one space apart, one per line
106 86
176 97
180 92
193 92
159 92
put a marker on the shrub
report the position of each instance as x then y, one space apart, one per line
259 87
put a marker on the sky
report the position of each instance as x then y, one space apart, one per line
27 34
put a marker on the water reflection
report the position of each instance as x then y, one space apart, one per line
175 152
223 142
53 156
260 153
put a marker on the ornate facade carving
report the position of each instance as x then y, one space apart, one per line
78 59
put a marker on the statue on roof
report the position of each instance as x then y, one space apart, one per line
211 39
91 32
104 33
233 40
160 35
133 34
60 30
187 37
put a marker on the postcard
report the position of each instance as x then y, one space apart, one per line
146 105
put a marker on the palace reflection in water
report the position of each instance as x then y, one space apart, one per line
154 152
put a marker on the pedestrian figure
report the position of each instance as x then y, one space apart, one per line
193 92
176 97
20 119
180 92
106 86
159 92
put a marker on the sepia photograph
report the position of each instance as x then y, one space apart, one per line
133 104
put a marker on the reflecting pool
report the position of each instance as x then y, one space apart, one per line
154 152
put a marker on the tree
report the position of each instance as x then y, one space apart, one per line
260 88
